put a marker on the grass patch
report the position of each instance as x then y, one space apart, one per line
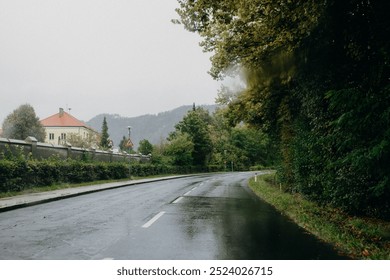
357 237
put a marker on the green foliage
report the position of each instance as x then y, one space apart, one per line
180 150
209 143
241 145
359 238
76 140
13 152
341 157
21 174
195 128
105 142
23 122
253 143
17 175
145 147
249 33
316 76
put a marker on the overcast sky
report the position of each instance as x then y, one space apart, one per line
99 56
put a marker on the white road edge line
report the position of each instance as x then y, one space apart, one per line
177 200
154 219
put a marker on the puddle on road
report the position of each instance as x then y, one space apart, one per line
247 229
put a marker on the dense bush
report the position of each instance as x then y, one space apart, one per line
8 175
16 175
20 174
316 79
348 166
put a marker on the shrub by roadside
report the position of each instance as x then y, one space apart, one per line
20 174
357 237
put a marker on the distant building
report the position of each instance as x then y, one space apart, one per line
62 128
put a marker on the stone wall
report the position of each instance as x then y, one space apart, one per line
37 150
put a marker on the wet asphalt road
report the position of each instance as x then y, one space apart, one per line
202 217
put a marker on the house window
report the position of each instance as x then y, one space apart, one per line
63 136
51 136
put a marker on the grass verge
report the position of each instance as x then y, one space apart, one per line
356 237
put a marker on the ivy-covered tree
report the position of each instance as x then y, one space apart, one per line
316 75
23 122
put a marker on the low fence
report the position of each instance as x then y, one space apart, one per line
37 150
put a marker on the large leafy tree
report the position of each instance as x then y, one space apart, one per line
145 147
243 146
250 34
23 122
196 125
316 75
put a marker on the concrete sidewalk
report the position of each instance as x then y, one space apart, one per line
20 201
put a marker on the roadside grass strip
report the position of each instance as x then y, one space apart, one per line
356 237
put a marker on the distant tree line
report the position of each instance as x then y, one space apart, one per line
208 142
316 77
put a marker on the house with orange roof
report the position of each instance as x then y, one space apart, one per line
62 127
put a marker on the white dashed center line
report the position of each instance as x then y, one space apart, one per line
187 193
154 219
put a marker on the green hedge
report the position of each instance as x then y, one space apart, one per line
18 175
21 175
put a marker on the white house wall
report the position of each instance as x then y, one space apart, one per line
59 131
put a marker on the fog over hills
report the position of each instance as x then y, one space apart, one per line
154 128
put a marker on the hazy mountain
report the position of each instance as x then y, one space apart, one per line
154 128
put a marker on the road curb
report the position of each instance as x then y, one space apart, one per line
22 201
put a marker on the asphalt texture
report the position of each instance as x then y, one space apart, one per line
212 216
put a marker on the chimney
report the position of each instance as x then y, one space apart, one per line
61 112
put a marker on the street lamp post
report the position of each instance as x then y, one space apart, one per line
129 128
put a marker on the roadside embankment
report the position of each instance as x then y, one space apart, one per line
357 237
